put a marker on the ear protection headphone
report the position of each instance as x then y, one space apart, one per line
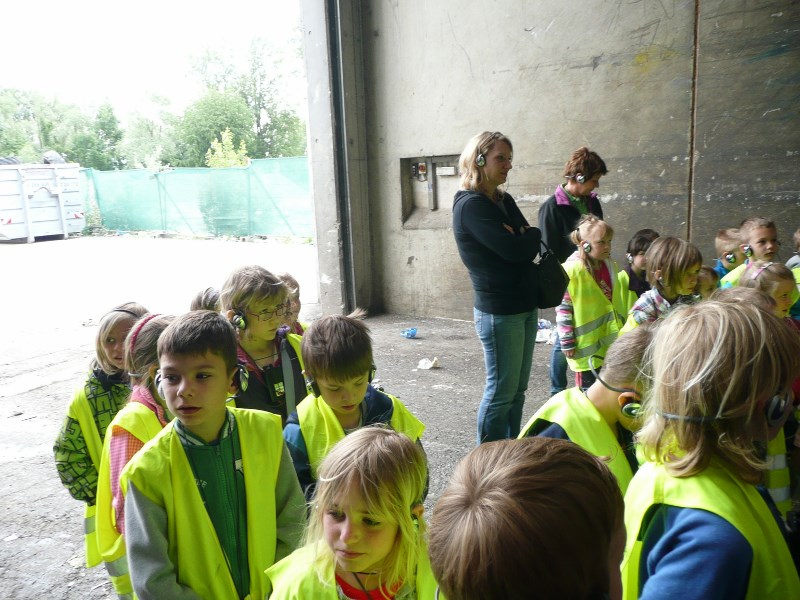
311 384
629 256
631 408
480 160
748 251
159 387
580 178
730 257
243 377
587 247
774 409
238 320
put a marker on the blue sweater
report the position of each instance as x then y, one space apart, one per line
689 553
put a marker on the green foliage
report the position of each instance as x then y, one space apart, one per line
247 102
201 124
224 154
98 147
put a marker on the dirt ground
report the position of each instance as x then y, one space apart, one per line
54 292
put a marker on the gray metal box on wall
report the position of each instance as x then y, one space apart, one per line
427 185
40 200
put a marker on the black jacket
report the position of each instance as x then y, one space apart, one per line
498 248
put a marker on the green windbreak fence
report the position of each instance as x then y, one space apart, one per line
271 197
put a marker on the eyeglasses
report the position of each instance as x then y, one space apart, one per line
265 315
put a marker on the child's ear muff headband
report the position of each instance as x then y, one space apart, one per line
480 160
730 257
748 251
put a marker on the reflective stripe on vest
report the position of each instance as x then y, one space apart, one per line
596 320
716 490
587 428
143 424
776 477
120 578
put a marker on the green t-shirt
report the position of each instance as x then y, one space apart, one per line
577 201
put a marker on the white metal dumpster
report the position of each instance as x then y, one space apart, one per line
39 200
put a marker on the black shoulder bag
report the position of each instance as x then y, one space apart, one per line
552 279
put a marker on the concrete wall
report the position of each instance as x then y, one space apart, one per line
693 105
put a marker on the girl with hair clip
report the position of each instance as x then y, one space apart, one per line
673 266
136 423
365 538
79 444
497 245
774 279
699 524
558 217
593 308
256 302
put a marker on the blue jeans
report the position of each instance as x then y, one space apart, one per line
558 368
507 342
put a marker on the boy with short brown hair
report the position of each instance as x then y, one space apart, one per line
212 500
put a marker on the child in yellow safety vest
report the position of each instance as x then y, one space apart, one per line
366 535
699 524
257 303
602 419
212 500
137 422
337 354
593 308
78 447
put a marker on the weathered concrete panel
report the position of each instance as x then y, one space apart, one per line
692 104
552 76
748 126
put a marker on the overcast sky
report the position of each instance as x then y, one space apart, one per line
91 51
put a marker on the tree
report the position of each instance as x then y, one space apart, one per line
224 154
202 122
279 131
98 147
